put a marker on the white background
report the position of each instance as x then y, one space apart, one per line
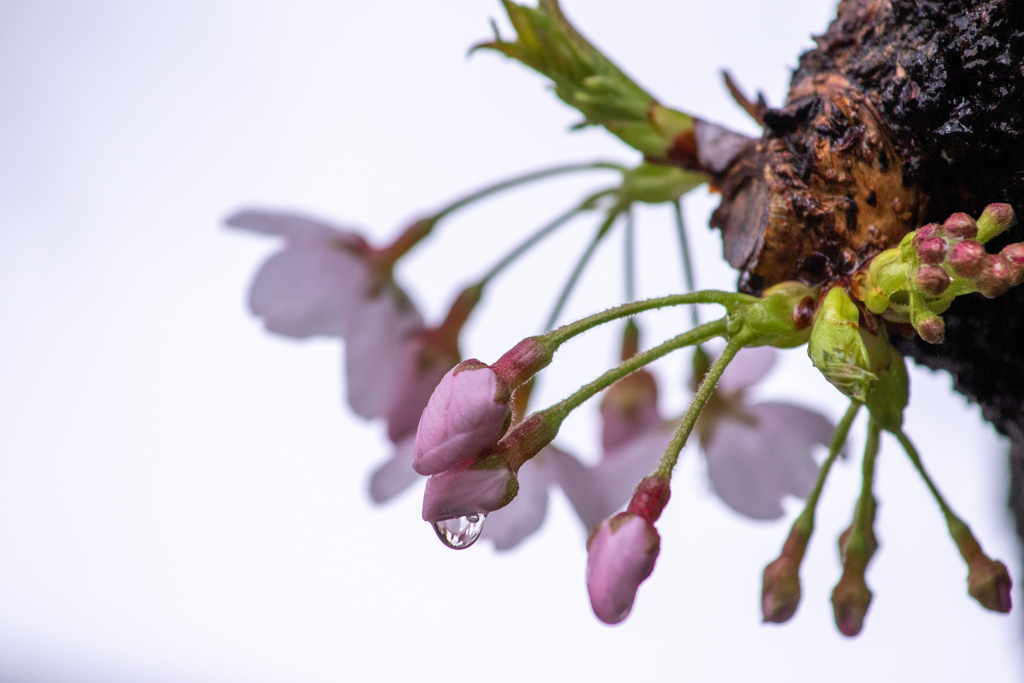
182 497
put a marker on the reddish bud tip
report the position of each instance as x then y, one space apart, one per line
926 232
932 330
932 280
1014 254
989 583
962 226
996 276
522 362
780 590
850 601
650 498
932 250
994 220
967 259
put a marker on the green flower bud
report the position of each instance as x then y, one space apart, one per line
860 363
781 317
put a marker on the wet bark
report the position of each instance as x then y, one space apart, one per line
939 85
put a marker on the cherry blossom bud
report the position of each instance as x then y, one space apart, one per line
967 259
989 583
463 417
780 585
925 233
932 250
932 280
932 330
1014 254
962 226
620 555
995 220
629 408
470 488
850 601
650 498
995 277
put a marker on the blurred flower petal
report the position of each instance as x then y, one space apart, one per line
748 368
395 475
508 526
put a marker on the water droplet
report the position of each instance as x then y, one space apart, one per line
461 532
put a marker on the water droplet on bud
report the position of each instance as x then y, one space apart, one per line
461 532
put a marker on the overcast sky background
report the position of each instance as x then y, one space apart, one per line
182 497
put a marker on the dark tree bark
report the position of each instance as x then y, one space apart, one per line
926 93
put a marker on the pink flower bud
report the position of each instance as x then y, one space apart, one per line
850 601
1014 254
995 277
470 488
926 232
995 220
932 250
932 280
629 408
989 583
932 330
462 418
620 555
967 259
962 226
780 585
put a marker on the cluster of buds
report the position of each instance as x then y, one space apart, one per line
918 280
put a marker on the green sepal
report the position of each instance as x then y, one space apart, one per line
773 319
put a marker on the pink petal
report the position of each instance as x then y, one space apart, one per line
753 466
597 492
620 556
373 351
418 376
748 368
395 474
463 491
309 289
461 419
295 227
629 408
511 524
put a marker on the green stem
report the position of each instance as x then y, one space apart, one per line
704 392
536 237
630 257
523 179
951 518
684 246
570 284
566 332
805 522
699 335
862 521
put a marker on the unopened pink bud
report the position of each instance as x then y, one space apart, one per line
926 232
932 280
995 220
469 488
650 498
932 251
780 585
989 583
620 556
995 277
962 226
850 601
967 259
462 418
1014 254
932 330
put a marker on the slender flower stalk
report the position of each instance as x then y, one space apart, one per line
581 265
805 521
684 246
707 387
423 227
629 258
988 580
